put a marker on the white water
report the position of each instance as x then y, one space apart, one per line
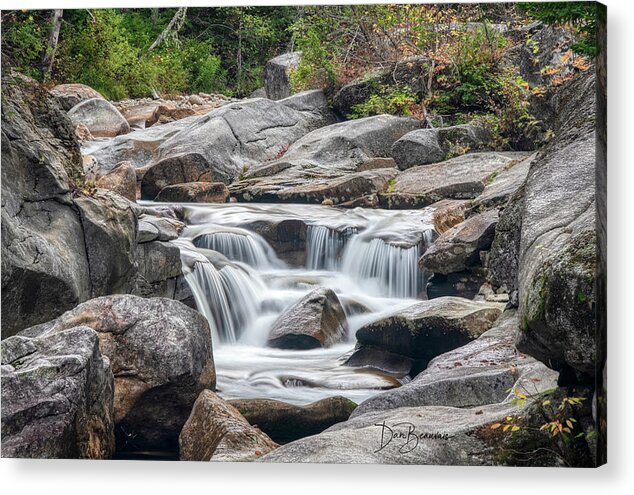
368 257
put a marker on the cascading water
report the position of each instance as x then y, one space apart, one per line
239 245
325 245
227 297
368 257
391 270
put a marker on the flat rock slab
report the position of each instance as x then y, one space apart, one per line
478 373
57 397
503 186
464 177
194 192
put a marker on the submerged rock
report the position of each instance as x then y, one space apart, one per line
317 320
287 422
161 357
216 431
57 397
100 116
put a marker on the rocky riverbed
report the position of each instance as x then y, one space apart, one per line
257 279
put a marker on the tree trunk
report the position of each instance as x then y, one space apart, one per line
51 46
172 28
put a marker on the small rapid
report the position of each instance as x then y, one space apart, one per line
242 280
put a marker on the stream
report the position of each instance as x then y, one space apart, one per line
368 257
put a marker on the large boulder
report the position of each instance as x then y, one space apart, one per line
121 179
478 373
317 320
216 431
427 329
557 277
194 192
425 146
463 177
110 230
57 397
277 71
330 157
226 142
161 357
159 269
459 247
70 95
288 422
44 266
100 117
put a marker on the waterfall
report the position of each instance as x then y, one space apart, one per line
392 269
227 297
325 245
239 245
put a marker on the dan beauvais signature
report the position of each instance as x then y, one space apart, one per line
403 436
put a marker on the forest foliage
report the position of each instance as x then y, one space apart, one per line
224 49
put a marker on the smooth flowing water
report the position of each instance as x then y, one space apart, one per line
242 285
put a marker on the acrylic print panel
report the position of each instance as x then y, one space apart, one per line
334 234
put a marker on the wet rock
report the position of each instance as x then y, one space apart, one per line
161 357
216 431
478 373
70 95
465 283
121 179
277 83
100 117
459 247
285 423
317 320
194 192
153 228
429 328
57 397
464 177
